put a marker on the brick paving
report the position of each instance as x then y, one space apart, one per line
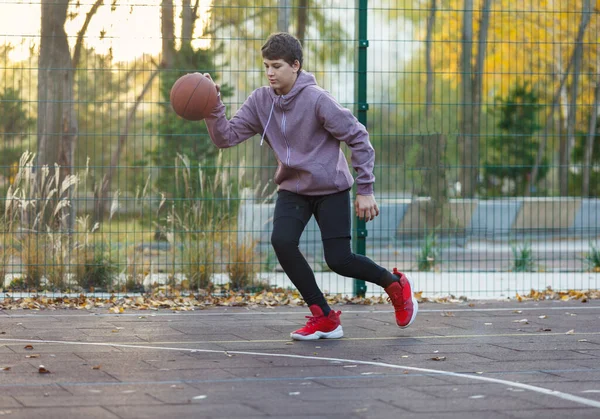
239 362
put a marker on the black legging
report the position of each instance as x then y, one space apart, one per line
332 212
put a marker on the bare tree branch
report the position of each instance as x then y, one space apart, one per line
102 197
81 33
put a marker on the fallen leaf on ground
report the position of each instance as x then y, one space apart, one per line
43 370
438 358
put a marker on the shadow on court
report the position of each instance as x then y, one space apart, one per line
471 360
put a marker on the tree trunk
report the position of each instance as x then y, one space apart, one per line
572 114
561 126
167 28
283 15
541 149
57 122
302 20
477 92
467 157
563 161
589 143
432 162
428 61
187 25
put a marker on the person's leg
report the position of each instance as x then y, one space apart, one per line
292 212
334 217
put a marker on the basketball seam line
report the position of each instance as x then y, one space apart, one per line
190 98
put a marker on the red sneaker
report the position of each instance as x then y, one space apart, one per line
405 303
319 326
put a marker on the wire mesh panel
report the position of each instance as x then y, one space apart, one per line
483 115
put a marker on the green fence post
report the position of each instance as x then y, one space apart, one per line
360 232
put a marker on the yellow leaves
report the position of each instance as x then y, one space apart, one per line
222 296
550 294
528 41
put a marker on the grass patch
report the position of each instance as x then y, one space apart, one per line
523 260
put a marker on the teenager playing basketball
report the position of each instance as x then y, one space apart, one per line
304 125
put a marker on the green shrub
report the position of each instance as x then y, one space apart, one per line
427 258
523 260
592 259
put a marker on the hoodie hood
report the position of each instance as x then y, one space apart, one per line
303 81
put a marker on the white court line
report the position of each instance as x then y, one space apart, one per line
255 312
541 390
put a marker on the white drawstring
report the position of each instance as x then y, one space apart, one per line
268 120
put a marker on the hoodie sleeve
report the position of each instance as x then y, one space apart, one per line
244 124
344 126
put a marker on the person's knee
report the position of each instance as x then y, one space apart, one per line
338 263
282 242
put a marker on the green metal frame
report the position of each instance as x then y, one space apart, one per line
360 226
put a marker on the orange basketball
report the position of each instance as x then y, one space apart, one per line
193 97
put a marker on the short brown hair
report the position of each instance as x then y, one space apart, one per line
282 45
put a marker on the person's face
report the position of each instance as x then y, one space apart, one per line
281 75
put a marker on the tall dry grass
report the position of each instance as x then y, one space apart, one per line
196 221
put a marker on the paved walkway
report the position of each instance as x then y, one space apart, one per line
470 360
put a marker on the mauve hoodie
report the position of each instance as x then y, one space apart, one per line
304 128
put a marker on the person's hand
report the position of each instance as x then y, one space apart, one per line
366 207
218 86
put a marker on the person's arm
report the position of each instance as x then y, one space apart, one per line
227 133
344 126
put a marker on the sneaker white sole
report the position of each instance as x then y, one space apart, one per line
337 333
415 304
